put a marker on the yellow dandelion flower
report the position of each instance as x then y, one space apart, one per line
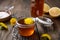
28 20
13 21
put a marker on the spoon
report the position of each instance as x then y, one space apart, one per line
9 8
47 22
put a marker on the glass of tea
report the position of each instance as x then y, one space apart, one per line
25 29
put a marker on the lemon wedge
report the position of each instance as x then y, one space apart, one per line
4 25
46 35
46 8
13 21
54 11
28 21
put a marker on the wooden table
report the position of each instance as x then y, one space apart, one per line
22 8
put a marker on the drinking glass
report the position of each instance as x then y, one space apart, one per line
37 8
24 29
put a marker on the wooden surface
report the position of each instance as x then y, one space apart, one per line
22 9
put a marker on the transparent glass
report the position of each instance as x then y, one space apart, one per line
37 8
25 29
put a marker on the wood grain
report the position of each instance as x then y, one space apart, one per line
22 8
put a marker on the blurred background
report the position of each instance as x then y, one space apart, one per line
23 6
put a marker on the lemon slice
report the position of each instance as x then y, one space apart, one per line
13 21
46 8
54 11
46 35
28 21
